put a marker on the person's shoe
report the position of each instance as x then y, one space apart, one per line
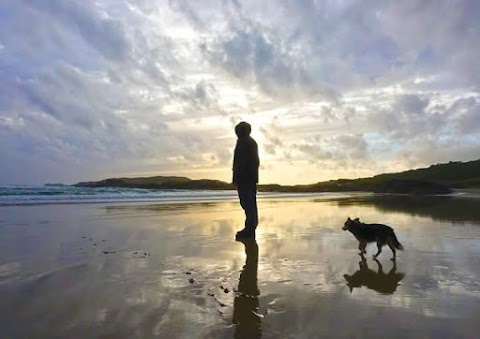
245 234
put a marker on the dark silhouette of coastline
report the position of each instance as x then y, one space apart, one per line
377 281
437 179
245 304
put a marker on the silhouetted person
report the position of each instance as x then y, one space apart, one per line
247 323
245 176
377 281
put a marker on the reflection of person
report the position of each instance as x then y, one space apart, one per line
248 324
245 176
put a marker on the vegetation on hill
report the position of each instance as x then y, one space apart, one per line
455 174
159 182
436 179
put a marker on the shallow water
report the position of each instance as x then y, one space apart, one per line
176 271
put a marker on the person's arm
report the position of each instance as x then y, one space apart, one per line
235 161
257 158
239 161
254 161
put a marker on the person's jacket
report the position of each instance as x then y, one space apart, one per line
245 161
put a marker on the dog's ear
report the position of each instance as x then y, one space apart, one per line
349 218
357 219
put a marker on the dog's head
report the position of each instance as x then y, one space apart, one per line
350 222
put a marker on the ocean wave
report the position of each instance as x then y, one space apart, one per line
17 195
38 195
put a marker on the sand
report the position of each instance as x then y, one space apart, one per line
176 271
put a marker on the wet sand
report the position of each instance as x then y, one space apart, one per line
176 271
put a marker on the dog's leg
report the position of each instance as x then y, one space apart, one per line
364 247
361 247
379 246
392 247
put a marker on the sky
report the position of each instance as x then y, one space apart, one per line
332 89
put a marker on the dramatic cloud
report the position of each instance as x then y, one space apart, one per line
92 89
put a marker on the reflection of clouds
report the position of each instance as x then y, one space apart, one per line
315 255
299 273
303 257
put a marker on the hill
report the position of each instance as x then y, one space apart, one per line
436 179
159 182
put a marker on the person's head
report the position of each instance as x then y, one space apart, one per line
243 129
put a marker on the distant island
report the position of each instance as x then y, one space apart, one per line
436 179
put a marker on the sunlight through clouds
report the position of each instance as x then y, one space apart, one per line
96 89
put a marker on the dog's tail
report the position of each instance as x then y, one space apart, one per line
396 243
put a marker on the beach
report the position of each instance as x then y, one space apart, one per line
175 270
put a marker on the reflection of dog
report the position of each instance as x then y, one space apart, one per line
378 281
365 233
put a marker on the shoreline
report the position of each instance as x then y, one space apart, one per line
261 196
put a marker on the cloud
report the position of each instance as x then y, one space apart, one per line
410 104
259 57
101 88
338 149
466 115
103 33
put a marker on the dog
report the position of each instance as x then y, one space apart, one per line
366 233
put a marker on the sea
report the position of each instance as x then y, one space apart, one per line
65 194
61 194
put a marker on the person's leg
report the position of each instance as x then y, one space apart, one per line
251 208
243 196
247 197
254 207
